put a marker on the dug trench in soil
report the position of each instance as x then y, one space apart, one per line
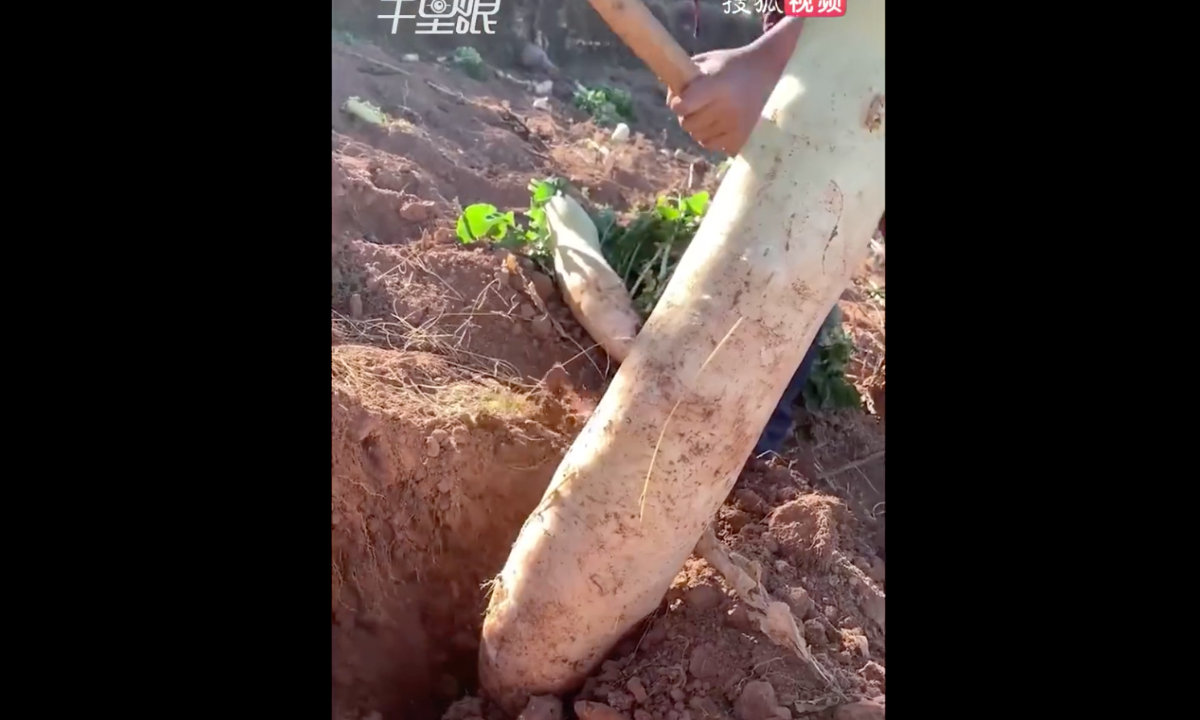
434 471
454 396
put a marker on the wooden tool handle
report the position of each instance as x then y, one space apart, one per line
649 40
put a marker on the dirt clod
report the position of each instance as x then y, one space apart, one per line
876 673
756 702
797 598
806 530
416 211
638 690
542 285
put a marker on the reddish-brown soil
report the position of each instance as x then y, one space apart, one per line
459 379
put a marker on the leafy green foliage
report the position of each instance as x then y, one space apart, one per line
485 222
606 105
469 61
644 252
827 388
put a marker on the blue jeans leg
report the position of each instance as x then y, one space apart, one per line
779 426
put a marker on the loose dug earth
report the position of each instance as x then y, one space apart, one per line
459 380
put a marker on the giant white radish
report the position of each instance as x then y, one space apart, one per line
792 220
591 288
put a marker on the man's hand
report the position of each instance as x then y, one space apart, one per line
720 108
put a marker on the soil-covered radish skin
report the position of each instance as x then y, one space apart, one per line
590 287
792 221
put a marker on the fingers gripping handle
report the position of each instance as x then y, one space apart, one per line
649 40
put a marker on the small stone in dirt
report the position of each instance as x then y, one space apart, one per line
432 448
542 707
417 211
704 597
678 695
597 711
641 714
337 276
861 710
636 687
526 312
356 306
703 663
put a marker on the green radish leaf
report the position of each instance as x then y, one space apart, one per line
482 220
698 203
543 191
666 211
